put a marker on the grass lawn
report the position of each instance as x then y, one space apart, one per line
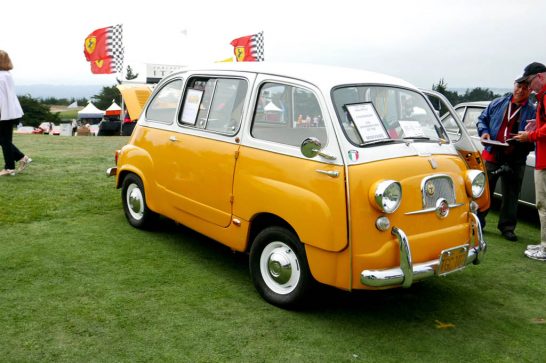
78 284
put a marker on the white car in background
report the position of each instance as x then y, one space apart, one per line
468 113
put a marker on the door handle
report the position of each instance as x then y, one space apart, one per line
173 138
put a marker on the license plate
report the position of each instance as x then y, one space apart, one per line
452 260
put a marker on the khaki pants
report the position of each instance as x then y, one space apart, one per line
540 192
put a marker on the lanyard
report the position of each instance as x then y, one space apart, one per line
509 117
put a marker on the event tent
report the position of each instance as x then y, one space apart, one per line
113 110
90 111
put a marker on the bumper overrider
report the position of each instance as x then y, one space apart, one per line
408 272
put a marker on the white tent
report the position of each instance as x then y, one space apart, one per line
90 111
73 105
114 109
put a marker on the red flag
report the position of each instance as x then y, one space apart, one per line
104 49
95 45
102 66
249 48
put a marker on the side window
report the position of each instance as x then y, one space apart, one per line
165 103
214 104
287 115
471 118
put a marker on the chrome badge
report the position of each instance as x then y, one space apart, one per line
430 188
433 163
442 208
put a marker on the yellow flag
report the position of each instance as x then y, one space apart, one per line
230 59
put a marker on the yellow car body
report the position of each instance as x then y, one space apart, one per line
244 182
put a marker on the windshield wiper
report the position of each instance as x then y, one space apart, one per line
381 141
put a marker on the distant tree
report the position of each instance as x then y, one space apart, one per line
36 112
129 75
104 99
441 87
478 94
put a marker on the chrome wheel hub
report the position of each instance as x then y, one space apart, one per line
280 268
135 201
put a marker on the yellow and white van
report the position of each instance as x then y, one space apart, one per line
324 174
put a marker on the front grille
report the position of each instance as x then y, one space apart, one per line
435 187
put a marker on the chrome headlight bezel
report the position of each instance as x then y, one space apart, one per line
475 183
387 196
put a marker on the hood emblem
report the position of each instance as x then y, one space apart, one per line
430 188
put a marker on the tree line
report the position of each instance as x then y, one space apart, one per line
470 95
38 110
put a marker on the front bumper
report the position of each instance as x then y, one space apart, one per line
111 171
408 272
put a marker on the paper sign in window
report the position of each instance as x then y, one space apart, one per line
411 128
367 122
191 106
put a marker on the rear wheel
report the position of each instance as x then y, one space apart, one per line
134 202
278 267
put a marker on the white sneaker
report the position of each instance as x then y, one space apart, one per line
533 247
539 254
23 163
7 172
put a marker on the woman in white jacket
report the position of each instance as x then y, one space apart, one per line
10 113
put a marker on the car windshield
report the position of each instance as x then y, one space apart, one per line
373 115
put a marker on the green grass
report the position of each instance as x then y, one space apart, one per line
78 284
68 114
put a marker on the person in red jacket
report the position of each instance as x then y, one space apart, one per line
535 75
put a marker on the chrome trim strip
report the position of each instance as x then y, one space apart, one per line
433 210
333 174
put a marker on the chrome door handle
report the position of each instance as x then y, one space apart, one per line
173 138
333 174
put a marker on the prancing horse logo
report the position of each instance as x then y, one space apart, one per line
90 44
240 54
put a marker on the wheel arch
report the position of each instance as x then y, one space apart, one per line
263 220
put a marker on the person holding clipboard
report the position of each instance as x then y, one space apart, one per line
505 160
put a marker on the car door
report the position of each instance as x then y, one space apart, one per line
460 137
200 155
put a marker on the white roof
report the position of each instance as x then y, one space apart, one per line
114 107
320 75
90 111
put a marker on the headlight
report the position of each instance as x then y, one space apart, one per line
475 183
387 195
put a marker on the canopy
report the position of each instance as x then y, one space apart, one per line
90 111
113 110
134 97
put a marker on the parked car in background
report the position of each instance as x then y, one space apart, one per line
344 177
468 112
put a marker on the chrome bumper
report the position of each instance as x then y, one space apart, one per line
111 171
408 272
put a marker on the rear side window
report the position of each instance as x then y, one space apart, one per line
214 104
165 103
287 115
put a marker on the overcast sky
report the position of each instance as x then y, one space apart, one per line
475 43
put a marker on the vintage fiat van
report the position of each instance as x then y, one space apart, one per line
324 174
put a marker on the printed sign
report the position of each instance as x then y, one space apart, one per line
411 128
367 122
191 106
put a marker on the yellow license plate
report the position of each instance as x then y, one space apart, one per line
452 260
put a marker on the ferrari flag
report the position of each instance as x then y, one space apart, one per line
249 48
104 49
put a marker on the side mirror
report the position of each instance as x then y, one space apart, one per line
311 147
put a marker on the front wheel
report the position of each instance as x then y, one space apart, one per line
278 267
134 202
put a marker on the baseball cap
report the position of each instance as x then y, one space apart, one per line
530 70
